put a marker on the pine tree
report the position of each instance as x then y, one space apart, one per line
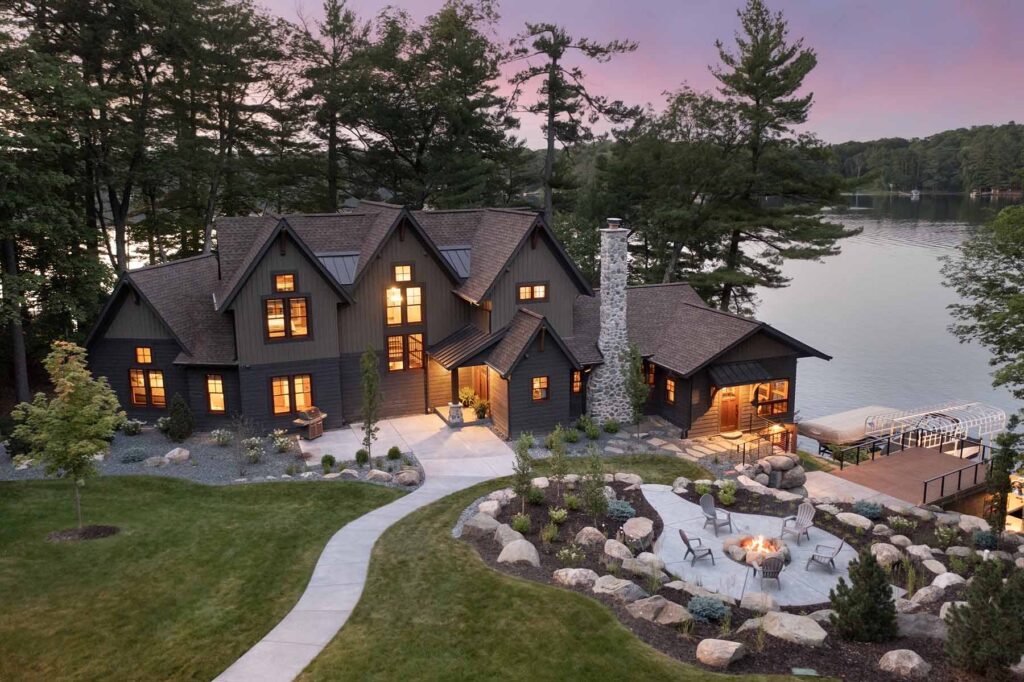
592 486
370 377
637 388
558 461
864 609
181 423
984 634
522 469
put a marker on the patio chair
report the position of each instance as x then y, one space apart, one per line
802 522
824 555
698 552
770 569
712 515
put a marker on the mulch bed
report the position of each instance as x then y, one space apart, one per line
766 655
83 533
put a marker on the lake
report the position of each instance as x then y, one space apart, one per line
880 309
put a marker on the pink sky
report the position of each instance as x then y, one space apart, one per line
886 68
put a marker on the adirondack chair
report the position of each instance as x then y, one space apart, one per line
698 552
712 515
824 555
770 569
802 522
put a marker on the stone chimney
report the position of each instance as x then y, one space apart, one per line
606 391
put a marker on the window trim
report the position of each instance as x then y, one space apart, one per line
404 307
147 387
546 388
148 353
768 408
670 390
288 337
406 367
533 284
577 381
401 264
274 274
222 394
291 393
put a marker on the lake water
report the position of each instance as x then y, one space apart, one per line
880 310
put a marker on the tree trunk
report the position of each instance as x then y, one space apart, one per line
549 156
731 263
78 502
11 292
332 163
673 260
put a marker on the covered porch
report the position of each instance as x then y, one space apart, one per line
469 400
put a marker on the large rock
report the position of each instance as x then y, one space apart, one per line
378 476
410 477
929 594
349 474
638 530
624 590
969 524
643 570
959 550
885 554
901 541
652 560
680 484
780 462
922 514
882 530
695 590
575 577
719 653
657 609
823 616
904 664
156 461
907 606
609 493
921 625
934 567
540 482
628 479
177 456
794 478
480 525
571 481
785 495
948 606
505 534
855 520
948 579
759 601
792 628
589 536
503 496
520 552
920 552
616 551
490 507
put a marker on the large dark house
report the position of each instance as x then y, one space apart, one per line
276 320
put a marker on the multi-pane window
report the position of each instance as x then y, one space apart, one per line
536 291
143 355
577 381
773 397
650 374
540 388
294 393
413 305
147 388
404 305
284 282
403 273
405 352
215 393
670 391
287 318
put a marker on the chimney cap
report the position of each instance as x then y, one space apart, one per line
614 224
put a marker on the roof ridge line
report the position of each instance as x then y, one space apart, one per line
531 312
724 312
154 266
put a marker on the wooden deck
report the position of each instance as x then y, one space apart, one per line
902 475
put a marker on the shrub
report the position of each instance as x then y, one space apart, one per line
572 501
558 515
593 433
535 496
327 463
552 439
702 488
958 565
394 452
864 609
221 437
727 493
281 440
584 422
571 436
549 533
592 486
946 536
707 610
253 449
163 424
181 424
984 539
985 635
133 455
620 510
522 469
901 524
131 427
611 426
571 555
362 457
481 407
292 469
466 396
521 523
869 510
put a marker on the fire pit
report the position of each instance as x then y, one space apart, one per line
753 549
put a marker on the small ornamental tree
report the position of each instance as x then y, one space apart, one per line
592 486
559 462
1004 462
77 423
370 377
984 634
181 424
637 389
522 469
864 609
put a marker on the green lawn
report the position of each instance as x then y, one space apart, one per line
432 610
197 575
812 463
651 468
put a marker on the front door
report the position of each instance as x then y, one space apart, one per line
728 411
480 381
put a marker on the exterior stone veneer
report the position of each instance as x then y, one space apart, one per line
606 392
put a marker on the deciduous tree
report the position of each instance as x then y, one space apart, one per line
369 370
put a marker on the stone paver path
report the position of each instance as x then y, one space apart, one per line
452 460
799 586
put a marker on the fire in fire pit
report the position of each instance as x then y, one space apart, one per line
753 549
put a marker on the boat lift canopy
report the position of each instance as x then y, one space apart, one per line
951 421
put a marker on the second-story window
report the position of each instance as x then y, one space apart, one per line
403 299
284 281
531 292
287 318
405 352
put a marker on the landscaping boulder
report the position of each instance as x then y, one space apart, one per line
331 476
785 495
652 560
575 577
571 481
918 512
408 477
907 606
680 484
901 541
855 520
616 551
792 628
520 552
609 493
920 552
904 664
928 594
643 570
378 476
659 610
156 461
959 550
503 496
823 616
779 462
505 535
490 507
948 606
625 591
829 508
793 478
948 579
349 474
886 555
541 482
969 524
609 478
934 567
947 518
628 479
177 456
695 590
759 601
480 525
589 536
638 530
921 625
719 653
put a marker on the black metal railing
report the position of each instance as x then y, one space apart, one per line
968 473
890 445
769 435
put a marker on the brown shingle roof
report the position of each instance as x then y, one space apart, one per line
516 338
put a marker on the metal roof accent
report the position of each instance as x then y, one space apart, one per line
341 265
738 374
459 258
461 345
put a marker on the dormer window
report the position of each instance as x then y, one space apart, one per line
284 282
287 318
403 273
531 292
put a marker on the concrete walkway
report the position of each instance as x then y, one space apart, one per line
452 460
799 586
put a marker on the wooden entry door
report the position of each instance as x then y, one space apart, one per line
478 381
728 411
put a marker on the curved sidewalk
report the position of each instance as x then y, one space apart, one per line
452 461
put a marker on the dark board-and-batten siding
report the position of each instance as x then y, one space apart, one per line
527 414
256 392
536 264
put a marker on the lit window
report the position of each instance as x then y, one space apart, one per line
284 282
137 379
215 393
143 355
415 342
525 293
156 389
275 318
577 382
413 305
394 296
540 388
303 385
540 291
773 398
396 354
403 273
531 292
650 374
670 391
298 322
281 396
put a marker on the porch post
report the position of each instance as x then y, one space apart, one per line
455 384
